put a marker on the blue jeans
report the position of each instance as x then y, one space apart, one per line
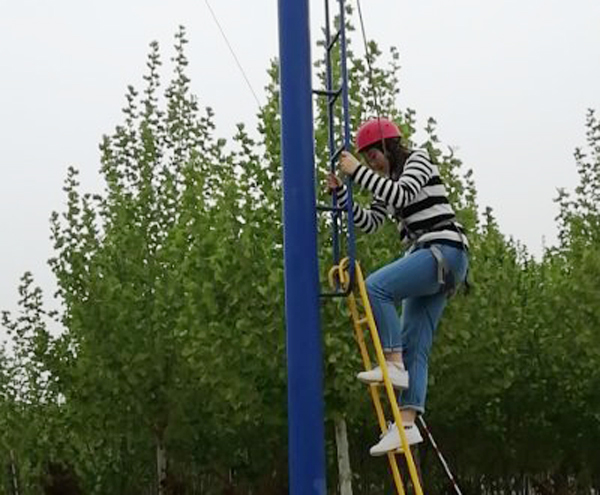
413 280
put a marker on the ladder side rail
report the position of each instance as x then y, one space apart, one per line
347 138
339 276
374 390
412 468
335 216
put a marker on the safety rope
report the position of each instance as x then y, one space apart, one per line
372 85
440 456
232 51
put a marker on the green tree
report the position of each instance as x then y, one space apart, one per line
170 374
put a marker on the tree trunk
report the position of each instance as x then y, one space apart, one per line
13 470
161 465
343 456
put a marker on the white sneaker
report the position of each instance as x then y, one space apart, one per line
398 375
390 440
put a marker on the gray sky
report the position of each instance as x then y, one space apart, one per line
509 82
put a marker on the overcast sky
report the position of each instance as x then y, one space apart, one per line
509 82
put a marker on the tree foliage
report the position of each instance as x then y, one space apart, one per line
171 289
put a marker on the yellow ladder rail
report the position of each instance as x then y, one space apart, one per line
338 275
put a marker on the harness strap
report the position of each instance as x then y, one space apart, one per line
442 268
448 223
445 276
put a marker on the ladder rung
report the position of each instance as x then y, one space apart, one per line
333 41
344 293
362 321
330 208
324 92
333 94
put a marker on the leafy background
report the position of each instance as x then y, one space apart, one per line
169 374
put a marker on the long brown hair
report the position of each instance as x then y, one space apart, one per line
395 152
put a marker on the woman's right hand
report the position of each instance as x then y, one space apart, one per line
333 183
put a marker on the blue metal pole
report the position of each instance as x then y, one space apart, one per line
305 387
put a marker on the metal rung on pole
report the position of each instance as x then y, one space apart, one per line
333 94
323 92
330 208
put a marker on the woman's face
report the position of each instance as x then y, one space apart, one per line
377 160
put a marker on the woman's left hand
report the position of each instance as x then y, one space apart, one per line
348 163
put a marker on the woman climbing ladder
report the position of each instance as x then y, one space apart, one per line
407 187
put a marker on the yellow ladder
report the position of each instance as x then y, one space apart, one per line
339 278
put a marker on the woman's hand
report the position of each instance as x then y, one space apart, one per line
333 183
348 163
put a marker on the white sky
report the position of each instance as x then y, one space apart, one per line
509 82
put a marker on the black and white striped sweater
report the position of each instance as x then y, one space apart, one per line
417 200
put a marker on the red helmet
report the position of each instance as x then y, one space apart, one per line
373 131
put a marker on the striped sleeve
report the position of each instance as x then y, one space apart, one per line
397 193
368 220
